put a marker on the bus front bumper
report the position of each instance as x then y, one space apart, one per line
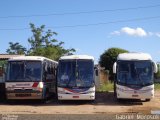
134 95
124 92
76 96
20 96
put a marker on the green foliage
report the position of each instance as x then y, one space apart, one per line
106 87
157 86
2 63
42 43
108 58
16 48
157 75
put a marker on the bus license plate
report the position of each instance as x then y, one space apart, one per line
134 95
75 96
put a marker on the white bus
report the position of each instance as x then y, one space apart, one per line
134 76
30 77
75 80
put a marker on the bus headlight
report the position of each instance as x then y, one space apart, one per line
10 89
91 92
40 89
37 89
61 91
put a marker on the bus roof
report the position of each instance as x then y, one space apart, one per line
39 58
70 57
134 56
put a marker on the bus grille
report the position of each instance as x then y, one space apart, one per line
22 95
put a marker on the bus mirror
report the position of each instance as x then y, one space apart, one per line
155 67
96 72
46 69
114 67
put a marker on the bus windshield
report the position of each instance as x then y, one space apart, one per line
76 73
135 73
27 71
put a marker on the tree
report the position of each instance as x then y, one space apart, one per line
43 44
157 75
16 48
108 58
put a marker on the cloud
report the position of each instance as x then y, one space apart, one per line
150 33
134 32
77 49
138 32
116 33
157 34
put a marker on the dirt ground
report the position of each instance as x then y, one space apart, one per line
104 104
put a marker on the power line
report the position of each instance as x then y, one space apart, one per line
82 12
85 25
111 22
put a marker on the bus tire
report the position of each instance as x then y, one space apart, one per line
115 93
43 101
90 101
147 100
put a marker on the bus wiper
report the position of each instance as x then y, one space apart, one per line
67 85
16 77
27 76
139 78
138 75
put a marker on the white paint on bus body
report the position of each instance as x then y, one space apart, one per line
70 57
77 93
134 56
124 91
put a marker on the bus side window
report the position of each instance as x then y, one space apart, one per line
44 71
48 68
52 71
1 71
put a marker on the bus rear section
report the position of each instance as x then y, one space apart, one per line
134 76
76 78
30 77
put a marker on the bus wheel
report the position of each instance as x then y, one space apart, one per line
11 102
43 101
92 101
118 99
147 100
60 101
115 96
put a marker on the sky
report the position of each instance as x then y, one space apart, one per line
89 26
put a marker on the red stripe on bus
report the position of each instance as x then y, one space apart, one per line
35 84
70 90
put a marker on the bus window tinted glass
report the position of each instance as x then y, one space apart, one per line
76 73
135 72
24 71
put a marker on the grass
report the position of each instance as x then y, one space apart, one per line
106 87
157 86
109 87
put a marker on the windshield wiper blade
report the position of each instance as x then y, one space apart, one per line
139 78
27 76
